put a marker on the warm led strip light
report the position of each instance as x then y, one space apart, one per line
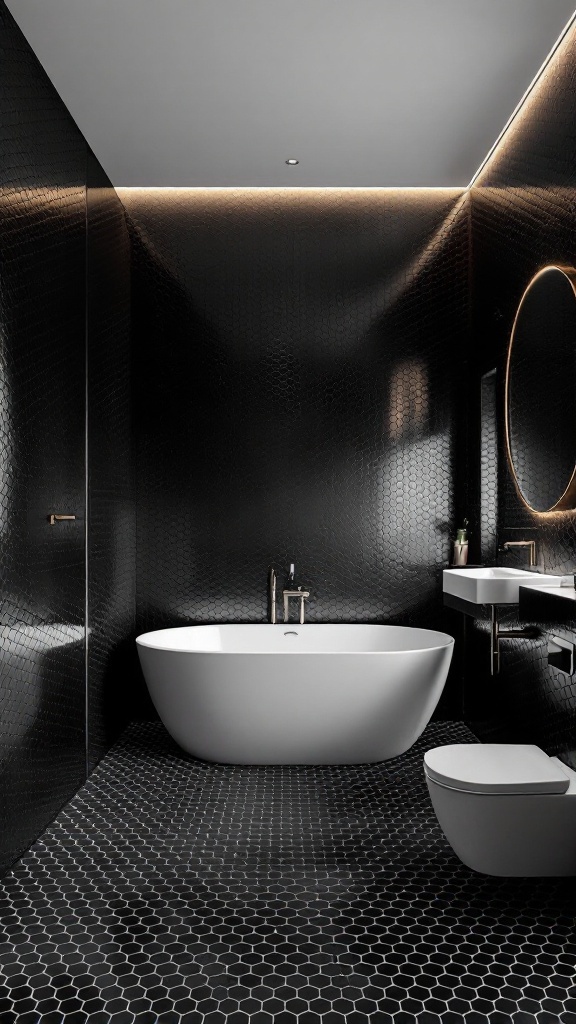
525 97
291 188
565 503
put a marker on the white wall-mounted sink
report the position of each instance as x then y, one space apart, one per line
496 585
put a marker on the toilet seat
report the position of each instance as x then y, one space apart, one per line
495 768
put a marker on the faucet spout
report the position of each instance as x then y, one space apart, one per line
530 544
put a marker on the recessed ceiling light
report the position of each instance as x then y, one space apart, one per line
292 161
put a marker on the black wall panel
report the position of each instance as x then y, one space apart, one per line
523 218
42 375
296 378
111 533
47 259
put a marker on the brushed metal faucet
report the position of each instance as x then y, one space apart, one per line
272 594
292 591
530 544
301 595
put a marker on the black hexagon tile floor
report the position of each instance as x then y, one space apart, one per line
170 891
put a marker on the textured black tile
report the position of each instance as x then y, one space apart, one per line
523 218
111 533
304 404
42 377
199 892
64 254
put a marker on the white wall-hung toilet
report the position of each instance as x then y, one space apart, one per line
506 809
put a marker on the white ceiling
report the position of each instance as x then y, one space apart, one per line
221 92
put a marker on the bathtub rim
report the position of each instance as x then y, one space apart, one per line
143 641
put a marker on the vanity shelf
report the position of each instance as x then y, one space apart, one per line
548 605
476 611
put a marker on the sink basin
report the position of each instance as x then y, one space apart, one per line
497 585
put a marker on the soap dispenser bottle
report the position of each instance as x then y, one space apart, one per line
461 546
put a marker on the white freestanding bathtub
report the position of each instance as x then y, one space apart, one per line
292 694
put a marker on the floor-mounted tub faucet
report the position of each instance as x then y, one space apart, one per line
291 590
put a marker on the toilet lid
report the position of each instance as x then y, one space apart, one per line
495 768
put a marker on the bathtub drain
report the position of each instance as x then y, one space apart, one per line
291 632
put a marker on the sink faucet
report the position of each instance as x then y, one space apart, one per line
530 544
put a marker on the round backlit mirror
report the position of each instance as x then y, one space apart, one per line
541 392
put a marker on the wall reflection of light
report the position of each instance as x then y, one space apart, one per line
391 287
416 492
23 209
6 448
27 653
415 480
408 404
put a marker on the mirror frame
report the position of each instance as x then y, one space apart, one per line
567 499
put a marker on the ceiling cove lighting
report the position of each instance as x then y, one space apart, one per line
453 189
535 81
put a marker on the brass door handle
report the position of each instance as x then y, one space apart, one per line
54 518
